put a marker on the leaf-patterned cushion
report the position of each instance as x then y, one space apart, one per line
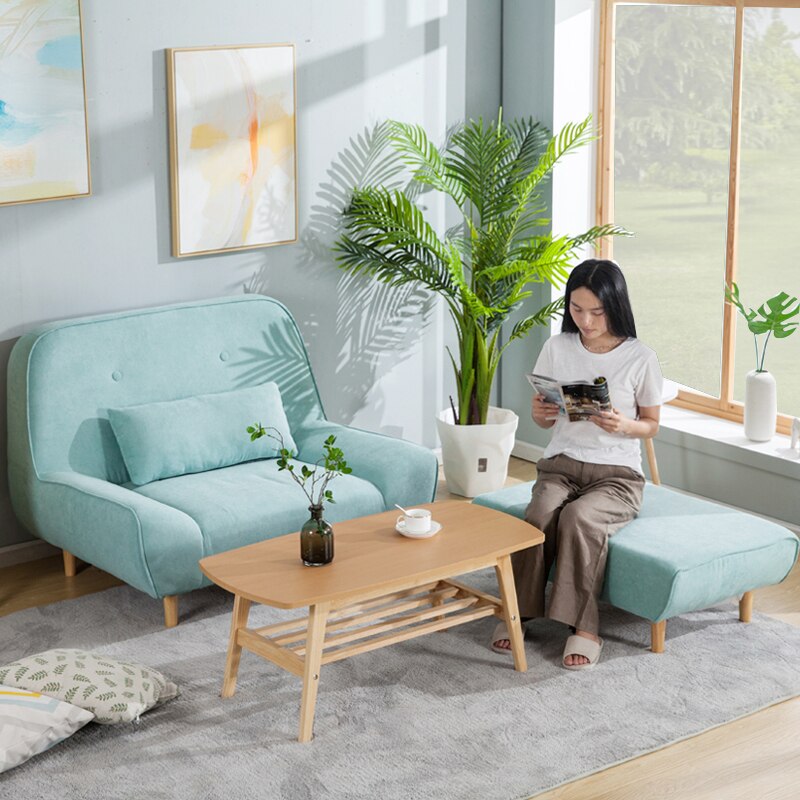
112 690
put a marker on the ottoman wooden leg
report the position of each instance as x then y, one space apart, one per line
746 607
70 564
658 632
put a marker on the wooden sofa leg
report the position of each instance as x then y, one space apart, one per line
746 607
70 564
658 632
171 611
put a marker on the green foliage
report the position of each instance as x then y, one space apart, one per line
494 174
313 481
772 318
673 92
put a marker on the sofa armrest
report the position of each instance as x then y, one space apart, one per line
404 473
147 544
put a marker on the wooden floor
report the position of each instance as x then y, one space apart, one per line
755 758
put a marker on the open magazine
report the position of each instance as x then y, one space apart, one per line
576 400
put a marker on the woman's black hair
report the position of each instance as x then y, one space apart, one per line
604 279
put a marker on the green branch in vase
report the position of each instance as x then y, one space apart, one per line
332 462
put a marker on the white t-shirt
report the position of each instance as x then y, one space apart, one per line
634 380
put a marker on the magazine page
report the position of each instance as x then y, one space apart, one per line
578 400
584 400
550 389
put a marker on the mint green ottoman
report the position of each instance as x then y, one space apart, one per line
681 554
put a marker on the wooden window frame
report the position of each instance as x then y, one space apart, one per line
724 406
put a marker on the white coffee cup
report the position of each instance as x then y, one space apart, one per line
416 520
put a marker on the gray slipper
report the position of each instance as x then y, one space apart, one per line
500 632
581 646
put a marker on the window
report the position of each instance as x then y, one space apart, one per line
700 113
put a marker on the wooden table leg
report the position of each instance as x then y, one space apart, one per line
508 594
241 610
317 619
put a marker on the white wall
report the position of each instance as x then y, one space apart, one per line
379 358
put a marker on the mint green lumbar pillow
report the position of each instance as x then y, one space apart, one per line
162 440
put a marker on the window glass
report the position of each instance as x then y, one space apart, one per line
769 205
673 84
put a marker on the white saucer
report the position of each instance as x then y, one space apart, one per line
435 528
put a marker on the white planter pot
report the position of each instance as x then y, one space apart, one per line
760 406
475 457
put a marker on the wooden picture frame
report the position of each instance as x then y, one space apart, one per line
233 147
44 134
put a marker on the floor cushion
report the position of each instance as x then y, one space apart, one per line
112 690
31 723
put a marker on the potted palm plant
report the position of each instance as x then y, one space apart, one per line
483 269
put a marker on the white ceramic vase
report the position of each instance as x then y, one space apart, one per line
760 406
475 457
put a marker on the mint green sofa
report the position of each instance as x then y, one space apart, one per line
680 554
69 483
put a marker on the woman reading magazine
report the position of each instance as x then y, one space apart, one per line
590 480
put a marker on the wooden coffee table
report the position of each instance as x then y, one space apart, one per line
380 589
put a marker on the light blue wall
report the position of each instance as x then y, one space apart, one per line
379 359
528 59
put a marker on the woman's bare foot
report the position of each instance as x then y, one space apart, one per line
576 660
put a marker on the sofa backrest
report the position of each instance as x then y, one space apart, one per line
63 377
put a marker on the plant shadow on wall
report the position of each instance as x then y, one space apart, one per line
363 328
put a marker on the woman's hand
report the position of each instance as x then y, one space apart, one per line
544 414
612 421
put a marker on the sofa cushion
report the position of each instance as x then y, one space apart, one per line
113 691
33 723
681 553
246 503
177 437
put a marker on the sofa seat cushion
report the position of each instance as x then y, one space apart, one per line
245 503
195 434
681 553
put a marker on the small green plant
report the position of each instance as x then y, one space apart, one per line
332 464
771 318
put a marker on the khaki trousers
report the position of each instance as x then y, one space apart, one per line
577 506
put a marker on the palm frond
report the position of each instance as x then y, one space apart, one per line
531 139
541 317
599 232
468 298
473 158
387 236
419 153
571 137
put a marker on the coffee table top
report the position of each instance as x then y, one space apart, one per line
370 554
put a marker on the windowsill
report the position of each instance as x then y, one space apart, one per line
726 439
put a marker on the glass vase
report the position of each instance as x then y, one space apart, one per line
316 540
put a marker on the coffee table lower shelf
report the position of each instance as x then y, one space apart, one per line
332 632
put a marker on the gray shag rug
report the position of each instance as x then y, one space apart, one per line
438 717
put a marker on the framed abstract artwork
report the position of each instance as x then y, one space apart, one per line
44 141
232 147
